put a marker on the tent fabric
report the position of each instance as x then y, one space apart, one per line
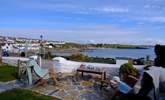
68 66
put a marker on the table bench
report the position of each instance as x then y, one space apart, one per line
102 73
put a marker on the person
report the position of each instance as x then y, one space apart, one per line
53 76
128 77
152 82
128 74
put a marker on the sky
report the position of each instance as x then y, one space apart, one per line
85 21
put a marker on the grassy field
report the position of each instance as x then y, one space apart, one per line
7 73
23 94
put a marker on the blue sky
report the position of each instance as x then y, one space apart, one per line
96 21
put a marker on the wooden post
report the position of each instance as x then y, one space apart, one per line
0 59
130 61
82 74
18 69
39 60
0 55
104 75
148 61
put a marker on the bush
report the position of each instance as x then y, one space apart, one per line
84 58
128 68
79 57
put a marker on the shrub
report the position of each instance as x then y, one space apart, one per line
128 68
84 58
79 57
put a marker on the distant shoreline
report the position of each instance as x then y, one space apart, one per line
91 49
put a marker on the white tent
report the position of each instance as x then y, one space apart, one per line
66 66
59 59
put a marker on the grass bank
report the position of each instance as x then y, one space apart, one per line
85 58
23 94
7 73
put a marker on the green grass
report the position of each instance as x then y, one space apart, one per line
7 73
85 58
23 94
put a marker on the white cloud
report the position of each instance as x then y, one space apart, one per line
98 34
154 41
149 14
152 19
147 6
158 19
117 10
112 10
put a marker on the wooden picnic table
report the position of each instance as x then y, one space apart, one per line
102 73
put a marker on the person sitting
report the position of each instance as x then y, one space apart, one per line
152 80
128 77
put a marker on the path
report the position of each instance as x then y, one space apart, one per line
10 85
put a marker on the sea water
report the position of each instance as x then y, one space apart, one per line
127 53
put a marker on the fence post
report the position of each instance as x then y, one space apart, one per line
18 69
0 59
0 55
